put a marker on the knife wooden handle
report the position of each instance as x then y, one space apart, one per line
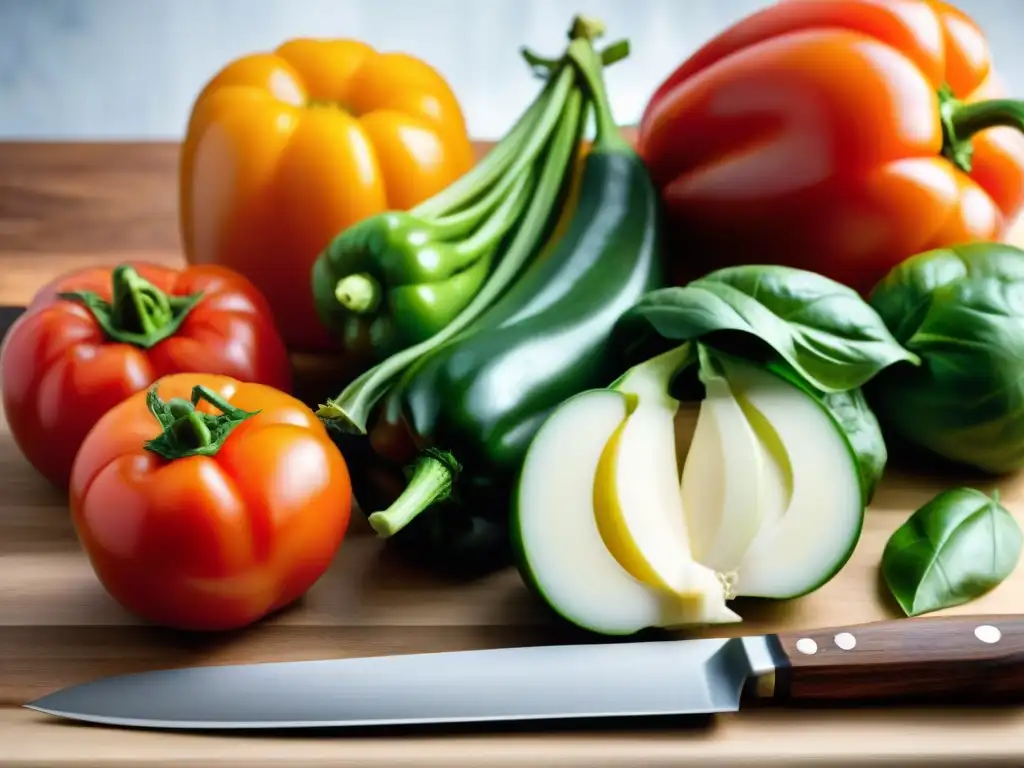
956 658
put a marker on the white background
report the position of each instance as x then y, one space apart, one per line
129 69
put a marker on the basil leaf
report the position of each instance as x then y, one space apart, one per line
955 548
961 310
862 429
851 411
825 330
912 289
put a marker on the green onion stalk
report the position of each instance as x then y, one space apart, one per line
469 224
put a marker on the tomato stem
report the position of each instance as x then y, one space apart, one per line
433 477
188 431
139 314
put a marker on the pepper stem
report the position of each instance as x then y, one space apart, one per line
432 480
188 431
358 293
139 313
962 121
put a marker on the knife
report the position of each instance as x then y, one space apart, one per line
920 659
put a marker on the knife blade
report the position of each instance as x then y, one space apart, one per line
909 659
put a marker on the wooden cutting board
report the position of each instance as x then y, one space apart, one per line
62 206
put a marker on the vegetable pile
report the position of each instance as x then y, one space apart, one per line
527 335
285 148
399 278
95 336
784 457
462 406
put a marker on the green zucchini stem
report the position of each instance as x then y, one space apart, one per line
354 405
433 477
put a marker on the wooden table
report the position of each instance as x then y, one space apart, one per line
67 205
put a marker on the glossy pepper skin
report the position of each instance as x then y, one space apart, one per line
401 288
285 149
92 337
840 136
471 408
396 279
206 503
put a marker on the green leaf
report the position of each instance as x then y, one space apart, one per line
858 421
825 330
961 310
955 548
907 295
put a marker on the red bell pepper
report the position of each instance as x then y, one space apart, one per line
840 136
92 337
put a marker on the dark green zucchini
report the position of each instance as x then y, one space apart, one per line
466 413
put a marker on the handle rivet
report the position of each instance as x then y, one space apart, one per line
987 633
846 641
807 645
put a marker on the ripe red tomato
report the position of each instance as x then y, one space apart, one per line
94 336
207 503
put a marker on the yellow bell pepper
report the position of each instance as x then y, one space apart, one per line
285 149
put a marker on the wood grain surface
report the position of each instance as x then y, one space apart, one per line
909 661
67 205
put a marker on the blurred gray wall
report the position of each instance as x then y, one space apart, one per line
127 69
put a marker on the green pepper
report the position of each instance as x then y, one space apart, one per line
397 278
457 423
544 216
